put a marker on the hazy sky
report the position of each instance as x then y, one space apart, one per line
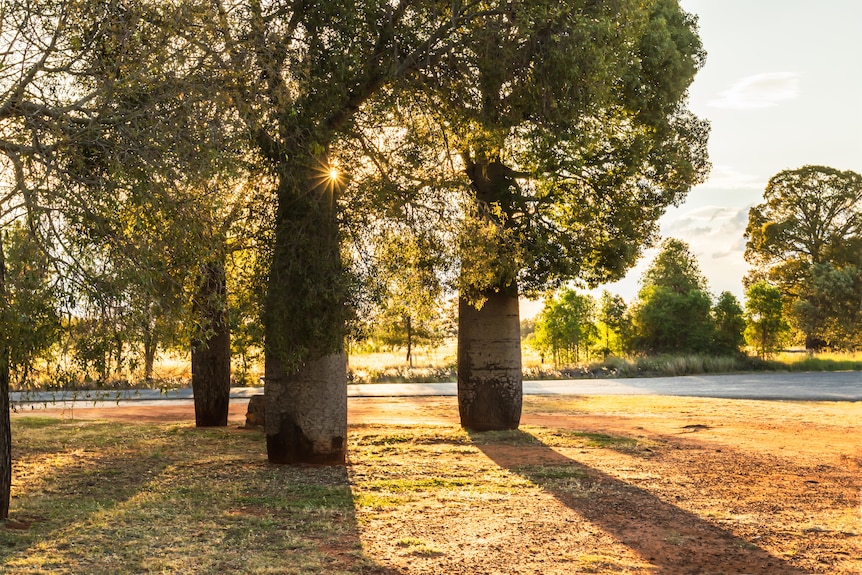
782 88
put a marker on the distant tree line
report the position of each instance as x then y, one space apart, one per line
674 313
805 287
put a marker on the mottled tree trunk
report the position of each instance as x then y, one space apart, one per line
211 350
489 338
306 411
5 423
489 362
304 321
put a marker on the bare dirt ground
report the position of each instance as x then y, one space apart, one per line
607 485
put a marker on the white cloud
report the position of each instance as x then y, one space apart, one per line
713 232
759 91
728 178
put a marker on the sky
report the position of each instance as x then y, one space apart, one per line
782 88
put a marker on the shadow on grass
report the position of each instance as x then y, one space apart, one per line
108 498
675 541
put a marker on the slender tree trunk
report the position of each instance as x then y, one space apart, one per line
149 352
409 341
489 362
5 423
211 349
304 321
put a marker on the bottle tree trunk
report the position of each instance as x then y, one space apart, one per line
5 423
490 388
304 322
211 349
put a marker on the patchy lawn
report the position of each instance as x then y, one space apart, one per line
587 485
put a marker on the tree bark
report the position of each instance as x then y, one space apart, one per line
489 338
211 349
490 386
306 411
5 423
304 320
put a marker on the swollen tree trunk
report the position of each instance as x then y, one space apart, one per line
211 349
489 362
5 423
489 337
304 321
306 411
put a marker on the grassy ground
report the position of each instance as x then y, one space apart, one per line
99 497
601 485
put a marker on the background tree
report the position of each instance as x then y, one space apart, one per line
412 289
570 123
766 329
612 313
566 327
32 322
805 239
167 150
830 306
672 314
729 334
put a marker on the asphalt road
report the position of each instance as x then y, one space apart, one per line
813 386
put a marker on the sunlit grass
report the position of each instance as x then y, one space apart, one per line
114 498
827 361
439 365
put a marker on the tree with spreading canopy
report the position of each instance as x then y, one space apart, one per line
569 123
162 151
806 239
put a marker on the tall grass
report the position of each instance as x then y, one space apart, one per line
829 361
439 365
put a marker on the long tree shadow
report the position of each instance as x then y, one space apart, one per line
674 540
160 494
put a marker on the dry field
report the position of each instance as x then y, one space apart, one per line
608 485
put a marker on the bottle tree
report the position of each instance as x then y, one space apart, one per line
297 75
570 125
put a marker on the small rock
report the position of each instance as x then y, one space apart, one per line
255 416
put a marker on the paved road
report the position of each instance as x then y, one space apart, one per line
815 386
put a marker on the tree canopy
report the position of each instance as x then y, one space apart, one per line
806 239
766 329
672 314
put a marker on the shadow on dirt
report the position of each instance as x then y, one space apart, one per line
674 540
